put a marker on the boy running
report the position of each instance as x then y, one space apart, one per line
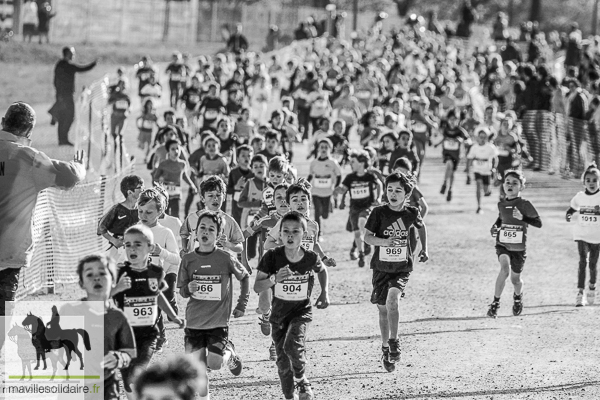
482 159
453 137
388 230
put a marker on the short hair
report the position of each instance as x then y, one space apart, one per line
170 143
19 119
105 260
301 186
591 169
154 195
390 117
256 138
402 162
212 184
282 185
244 147
160 188
139 229
406 180
453 112
278 164
272 135
407 133
362 156
213 216
67 50
210 137
130 182
260 158
515 173
391 135
295 217
183 373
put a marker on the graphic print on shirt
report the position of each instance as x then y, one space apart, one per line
395 253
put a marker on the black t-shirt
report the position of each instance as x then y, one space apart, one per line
212 108
362 190
385 223
291 298
191 96
140 302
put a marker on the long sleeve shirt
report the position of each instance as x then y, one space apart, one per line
64 76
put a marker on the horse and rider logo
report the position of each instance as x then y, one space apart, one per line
35 340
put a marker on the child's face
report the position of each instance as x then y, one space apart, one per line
262 131
223 128
148 213
135 194
170 135
591 182
258 145
512 186
159 392
246 115
356 165
291 234
213 200
137 248
276 121
276 177
170 119
324 150
244 159
391 123
259 170
396 194
300 202
272 145
452 122
281 204
337 128
404 141
174 151
388 143
96 280
212 147
207 232
324 126
482 138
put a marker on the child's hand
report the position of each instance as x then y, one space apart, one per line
342 205
110 361
238 313
156 249
118 243
222 240
494 231
393 242
423 256
568 217
283 274
517 214
124 283
330 262
180 322
322 300
182 253
193 286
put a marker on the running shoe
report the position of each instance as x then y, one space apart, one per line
235 363
353 252
591 296
385 360
518 304
443 189
394 350
304 390
361 260
488 193
449 195
160 344
272 352
493 310
468 179
579 300
367 249
265 325
479 210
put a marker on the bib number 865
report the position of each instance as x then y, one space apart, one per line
509 234
142 312
291 288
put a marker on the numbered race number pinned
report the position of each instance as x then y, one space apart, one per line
512 234
589 217
294 288
211 114
210 287
147 124
141 311
451 145
323 183
394 254
308 243
174 190
361 192
122 105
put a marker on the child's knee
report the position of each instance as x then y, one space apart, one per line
515 278
392 300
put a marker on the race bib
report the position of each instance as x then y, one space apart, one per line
323 183
451 145
363 94
210 287
194 98
347 112
141 311
359 193
144 77
393 254
386 170
308 243
211 114
176 77
419 127
512 234
174 190
294 288
147 124
503 152
268 196
236 196
589 217
481 164
121 105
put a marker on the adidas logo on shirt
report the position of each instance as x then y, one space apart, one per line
397 229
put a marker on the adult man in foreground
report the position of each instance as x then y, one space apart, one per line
24 172
63 111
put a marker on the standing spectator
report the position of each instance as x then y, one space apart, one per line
574 48
63 111
45 14
237 42
501 28
467 19
26 172
510 52
30 19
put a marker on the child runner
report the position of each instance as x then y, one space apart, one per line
453 137
388 230
272 145
586 232
405 149
251 199
205 278
213 162
325 175
139 294
244 127
289 271
482 159
147 123
238 177
510 231
258 143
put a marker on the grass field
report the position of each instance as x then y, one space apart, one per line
450 349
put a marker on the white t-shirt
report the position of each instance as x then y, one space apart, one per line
174 225
586 222
482 157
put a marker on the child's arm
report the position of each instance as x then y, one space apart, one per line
184 283
263 282
423 255
187 179
424 207
244 201
184 233
123 284
241 274
530 217
570 213
496 226
169 254
379 191
165 306
323 299
103 226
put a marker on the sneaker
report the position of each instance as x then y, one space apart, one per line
394 350
591 296
579 300
385 360
488 193
353 252
304 390
518 304
235 363
361 260
449 195
443 189
493 310
160 344
468 180
479 211
272 352
367 249
265 325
